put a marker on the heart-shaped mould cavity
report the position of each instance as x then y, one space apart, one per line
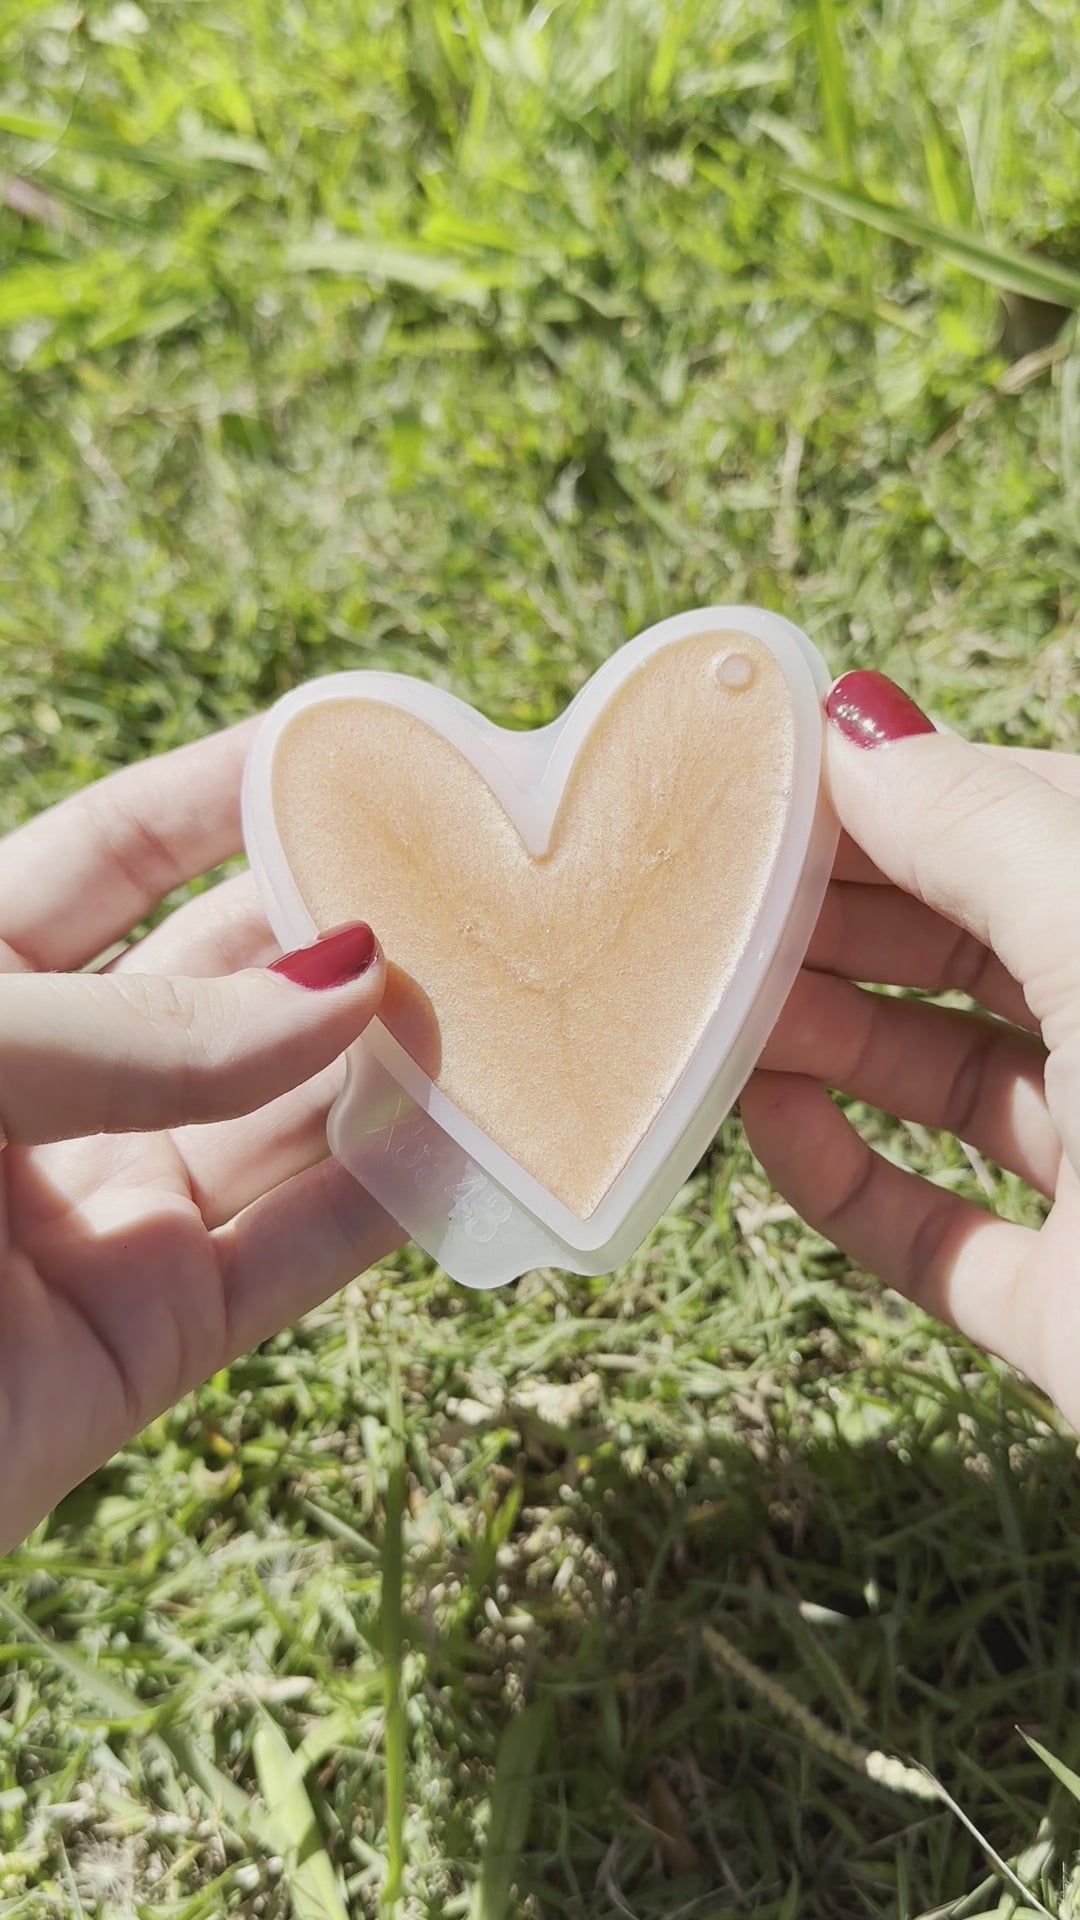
589 927
604 954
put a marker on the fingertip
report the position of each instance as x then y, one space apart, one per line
869 720
868 710
881 784
335 958
277 1026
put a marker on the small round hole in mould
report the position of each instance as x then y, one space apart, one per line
735 672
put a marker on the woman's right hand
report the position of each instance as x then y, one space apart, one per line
960 869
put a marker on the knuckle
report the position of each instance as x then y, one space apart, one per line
173 1005
862 1011
189 1036
970 1077
976 785
974 807
133 846
963 965
839 1208
928 1250
1062 1078
1053 992
985 811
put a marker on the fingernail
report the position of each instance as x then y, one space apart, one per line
872 711
335 958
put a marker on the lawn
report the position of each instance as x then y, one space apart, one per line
469 340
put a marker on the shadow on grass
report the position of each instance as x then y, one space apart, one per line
891 1553
923 1606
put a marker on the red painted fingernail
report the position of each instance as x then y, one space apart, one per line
335 958
872 711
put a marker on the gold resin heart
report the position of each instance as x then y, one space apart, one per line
569 988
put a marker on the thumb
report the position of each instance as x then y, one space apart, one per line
987 843
116 1053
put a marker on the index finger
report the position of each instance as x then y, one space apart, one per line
83 874
1061 770
979 838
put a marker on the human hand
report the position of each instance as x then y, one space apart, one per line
960 868
147 1233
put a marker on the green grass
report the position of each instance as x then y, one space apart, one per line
469 340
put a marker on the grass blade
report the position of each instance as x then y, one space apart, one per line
406 266
1002 1867
1001 266
985 138
392 1638
288 1825
1069 1780
836 113
511 1803
1069 406
948 168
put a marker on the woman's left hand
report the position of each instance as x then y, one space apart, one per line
960 874
165 1197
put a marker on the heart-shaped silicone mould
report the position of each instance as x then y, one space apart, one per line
590 928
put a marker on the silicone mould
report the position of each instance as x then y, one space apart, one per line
478 1213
